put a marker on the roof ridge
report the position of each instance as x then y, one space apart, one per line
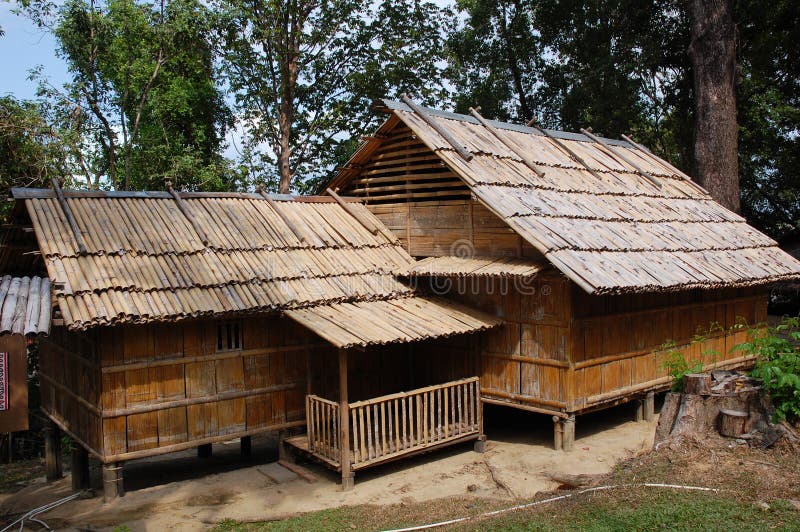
395 105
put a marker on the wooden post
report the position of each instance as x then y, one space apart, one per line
52 451
558 433
480 443
112 481
568 439
285 453
204 451
246 446
650 406
344 424
80 468
639 410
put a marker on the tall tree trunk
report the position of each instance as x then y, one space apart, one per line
513 64
713 56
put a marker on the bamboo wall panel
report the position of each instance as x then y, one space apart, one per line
70 384
616 356
152 386
441 228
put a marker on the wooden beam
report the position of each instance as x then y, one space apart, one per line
188 214
73 224
344 424
505 141
372 228
289 223
419 111
577 158
621 157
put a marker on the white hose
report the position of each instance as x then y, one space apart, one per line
544 501
41 510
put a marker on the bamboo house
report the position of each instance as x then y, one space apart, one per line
468 262
184 319
595 254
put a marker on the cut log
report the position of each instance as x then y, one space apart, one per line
697 384
732 423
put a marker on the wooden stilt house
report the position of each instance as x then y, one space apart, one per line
594 252
185 319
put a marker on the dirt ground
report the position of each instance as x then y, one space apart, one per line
182 492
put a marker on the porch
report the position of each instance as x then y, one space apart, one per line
391 426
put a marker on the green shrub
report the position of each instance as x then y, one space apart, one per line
677 366
778 365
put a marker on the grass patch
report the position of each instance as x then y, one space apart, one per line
621 509
760 491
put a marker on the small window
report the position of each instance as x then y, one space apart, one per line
229 336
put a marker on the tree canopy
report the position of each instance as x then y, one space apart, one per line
158 85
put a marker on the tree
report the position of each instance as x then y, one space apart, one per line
31 151
495 58
302 73
144 86
768 100
616 65
713 55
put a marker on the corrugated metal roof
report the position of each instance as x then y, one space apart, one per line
406 319
25 305
605 225
474 267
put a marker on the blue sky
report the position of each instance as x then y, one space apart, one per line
23 47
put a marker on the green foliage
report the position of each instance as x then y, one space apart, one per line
303 75
677 366
778 365
31 150
143 100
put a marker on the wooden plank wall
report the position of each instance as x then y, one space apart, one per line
170 386
438 228
526 359
69 376
619 343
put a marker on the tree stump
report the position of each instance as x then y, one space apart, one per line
697 384
732 423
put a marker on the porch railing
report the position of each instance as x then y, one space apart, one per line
323 427
392 425
404 422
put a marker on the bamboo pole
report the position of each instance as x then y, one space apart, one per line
292 227
73 224
505 141
189 216
650 154
577 158
419 111
344 424
618 155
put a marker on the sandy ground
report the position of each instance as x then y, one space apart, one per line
183 492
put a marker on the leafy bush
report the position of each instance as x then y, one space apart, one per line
677 366
778 365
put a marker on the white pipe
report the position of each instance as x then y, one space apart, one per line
544 501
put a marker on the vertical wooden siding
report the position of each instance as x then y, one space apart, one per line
69 376
620 344
166 385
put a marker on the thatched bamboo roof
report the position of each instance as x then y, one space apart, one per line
151 257
609 225
473 267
